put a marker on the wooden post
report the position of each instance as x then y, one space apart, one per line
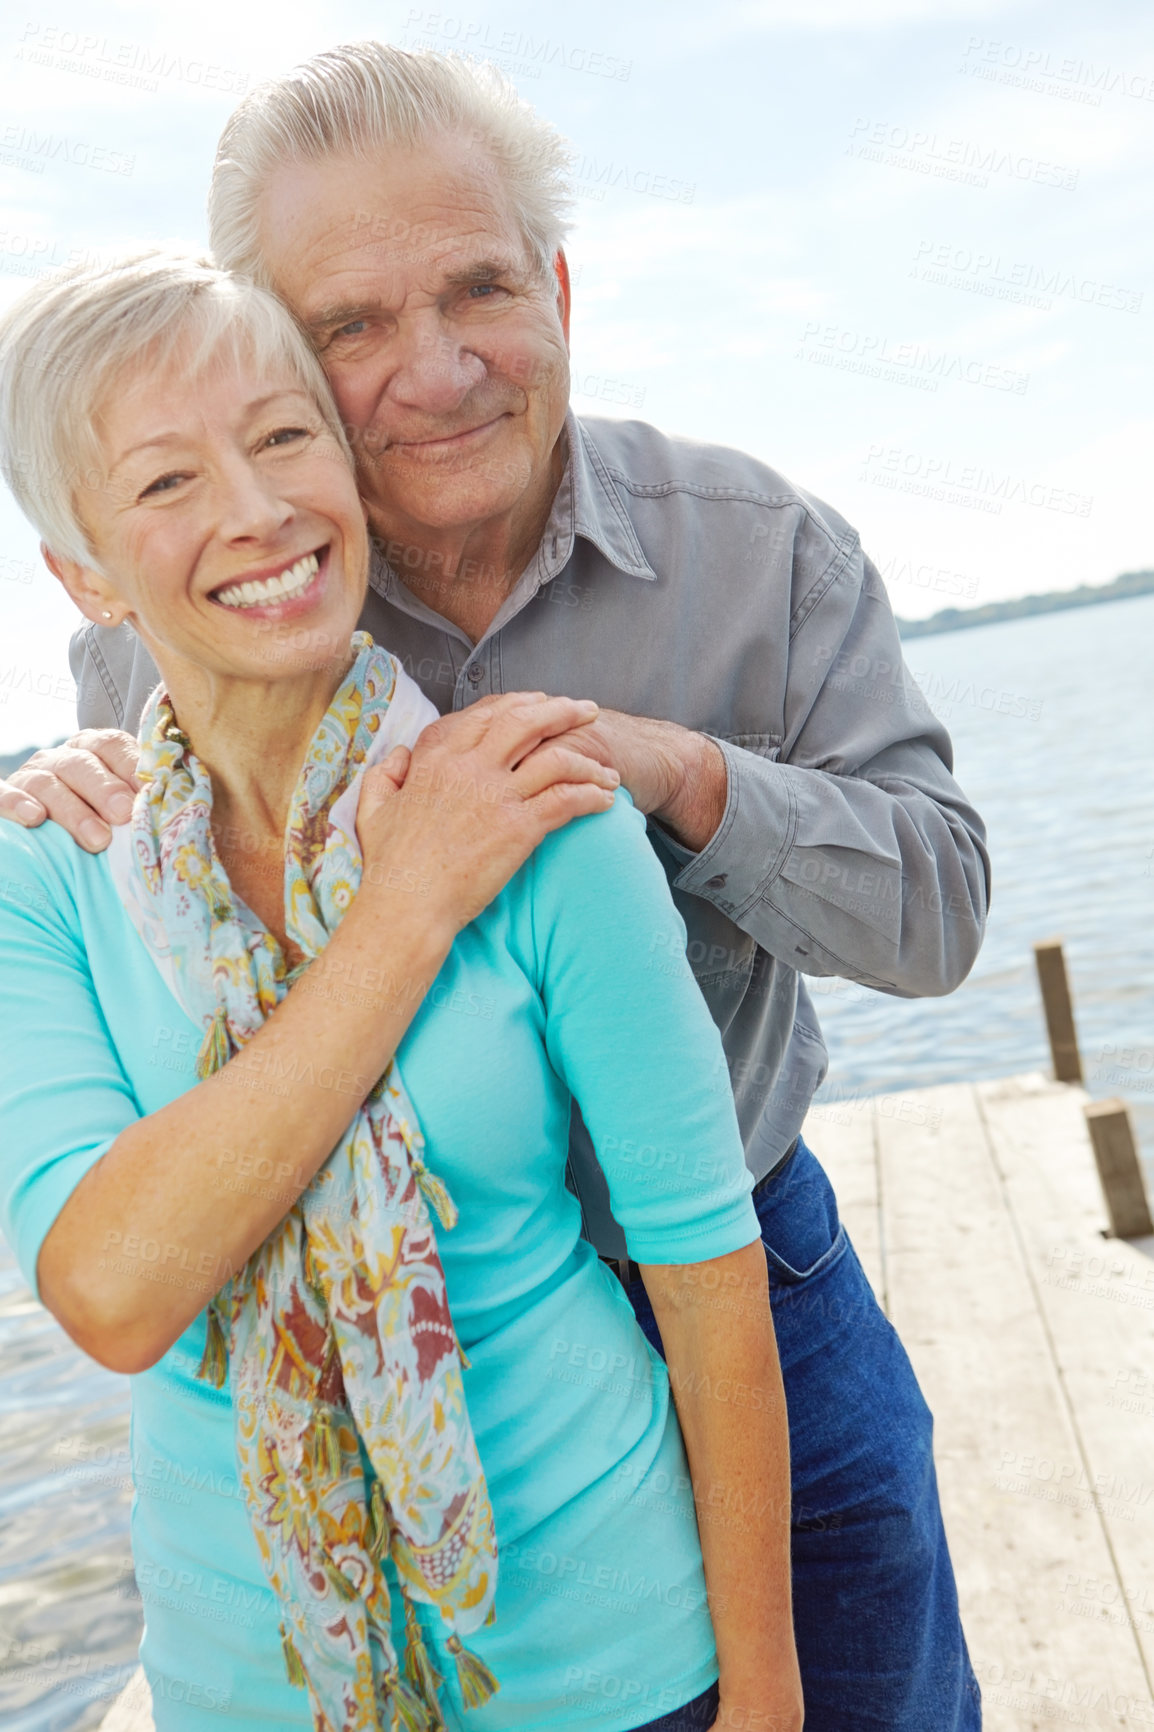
1118 1168
1059 1011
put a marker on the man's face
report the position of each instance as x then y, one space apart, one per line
447 353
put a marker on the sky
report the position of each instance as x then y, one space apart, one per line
898 249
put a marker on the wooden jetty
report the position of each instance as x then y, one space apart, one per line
978 1214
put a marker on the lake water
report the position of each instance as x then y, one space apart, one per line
1052 720
1053 726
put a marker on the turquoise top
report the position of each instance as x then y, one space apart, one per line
573 984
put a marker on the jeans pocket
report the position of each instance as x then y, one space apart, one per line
800 1228
788 1276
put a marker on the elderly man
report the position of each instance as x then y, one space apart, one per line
410 211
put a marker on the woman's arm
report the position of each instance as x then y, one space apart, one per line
170 1195
629 1030
717 1330
480 791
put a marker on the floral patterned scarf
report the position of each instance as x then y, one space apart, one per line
337 1332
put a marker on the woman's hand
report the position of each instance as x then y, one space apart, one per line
456 816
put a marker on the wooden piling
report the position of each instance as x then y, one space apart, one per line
1119 1169
1059 1010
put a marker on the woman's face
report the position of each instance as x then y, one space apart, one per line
227 526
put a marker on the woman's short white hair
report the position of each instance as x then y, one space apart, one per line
366 96
68 343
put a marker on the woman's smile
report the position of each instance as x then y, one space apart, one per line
289 591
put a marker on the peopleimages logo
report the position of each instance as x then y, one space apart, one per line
132 64
967 484
878 356
477 37
1039 69
594 178
25 147
35 682
628 1587
1030 285
958 159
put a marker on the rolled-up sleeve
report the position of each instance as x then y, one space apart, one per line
628 1030
852 851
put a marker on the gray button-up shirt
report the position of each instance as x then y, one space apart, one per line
693 583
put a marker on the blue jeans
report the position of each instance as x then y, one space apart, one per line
695 1716
874 1601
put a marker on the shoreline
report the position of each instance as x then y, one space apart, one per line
1124 588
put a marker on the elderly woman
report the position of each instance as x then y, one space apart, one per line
285 1086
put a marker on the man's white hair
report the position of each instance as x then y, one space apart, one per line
357 100
69 343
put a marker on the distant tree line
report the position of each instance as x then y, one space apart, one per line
1050 601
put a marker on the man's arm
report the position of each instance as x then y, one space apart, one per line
853 852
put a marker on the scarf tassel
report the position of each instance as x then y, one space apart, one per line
412 1714
214 1361
326 1444
339 1582
434 1193
292 1661
378 1536
420 1671
313 1277
403 1712
474 1677
216 1048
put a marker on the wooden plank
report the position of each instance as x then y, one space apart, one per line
132 1709
1116 1154
964 1304
1097 1297
841 1135
1051 965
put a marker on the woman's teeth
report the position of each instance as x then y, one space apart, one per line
267 589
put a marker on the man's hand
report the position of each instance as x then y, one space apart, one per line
86 785
672 774
465 808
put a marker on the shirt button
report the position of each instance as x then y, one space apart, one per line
475 674
717 883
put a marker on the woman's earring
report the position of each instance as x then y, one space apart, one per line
106 613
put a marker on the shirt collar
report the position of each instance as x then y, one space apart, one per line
586 504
